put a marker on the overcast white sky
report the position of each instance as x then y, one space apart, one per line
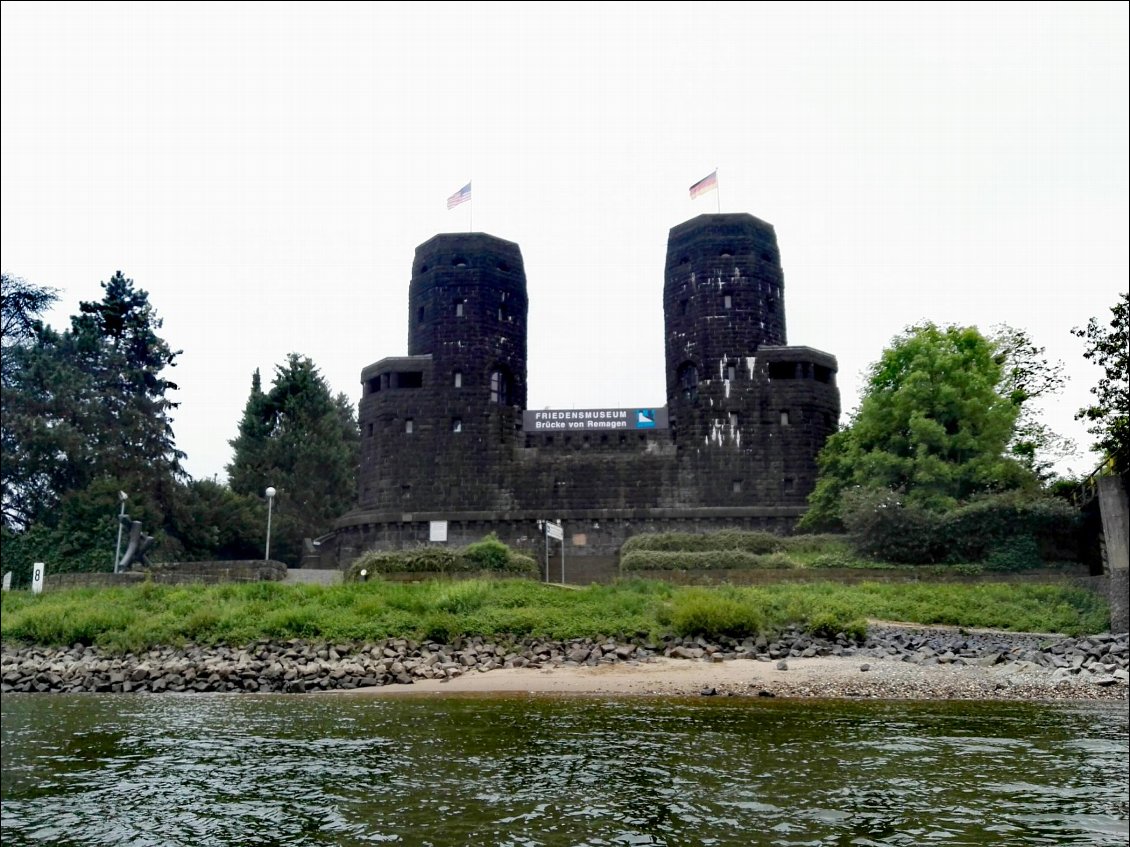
265 171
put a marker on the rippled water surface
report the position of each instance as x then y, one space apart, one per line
314 770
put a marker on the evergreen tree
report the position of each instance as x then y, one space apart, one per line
251 462
21 486
121 353
21 305
90 404
303 441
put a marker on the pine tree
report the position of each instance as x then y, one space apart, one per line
90 404
301 440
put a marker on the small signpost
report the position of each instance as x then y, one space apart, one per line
8 581
556 531
37 573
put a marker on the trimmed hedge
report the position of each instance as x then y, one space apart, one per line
727 539
702 560
487 555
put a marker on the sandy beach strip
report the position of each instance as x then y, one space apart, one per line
817 677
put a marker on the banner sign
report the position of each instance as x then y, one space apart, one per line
587 420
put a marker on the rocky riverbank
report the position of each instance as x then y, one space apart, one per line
893 661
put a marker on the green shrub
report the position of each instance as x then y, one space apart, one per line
519 564
967 570
831 623
1013 529
882 526
441 627
714 615
489 554
1016 554
665 560
984 526
461 598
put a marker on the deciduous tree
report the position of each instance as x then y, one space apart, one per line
932 425
1028 377
1109 416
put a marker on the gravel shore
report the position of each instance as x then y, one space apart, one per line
895 662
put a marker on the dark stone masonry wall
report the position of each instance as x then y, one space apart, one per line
442 432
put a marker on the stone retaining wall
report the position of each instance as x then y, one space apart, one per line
175 573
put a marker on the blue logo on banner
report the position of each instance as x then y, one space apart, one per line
645 418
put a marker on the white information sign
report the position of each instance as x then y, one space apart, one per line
554 530
437 531
37 571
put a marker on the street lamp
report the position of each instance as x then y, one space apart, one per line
122 496
270 492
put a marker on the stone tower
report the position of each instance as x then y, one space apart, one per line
748 413
438 425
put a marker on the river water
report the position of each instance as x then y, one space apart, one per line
537 770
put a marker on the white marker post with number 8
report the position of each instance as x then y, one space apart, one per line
37 577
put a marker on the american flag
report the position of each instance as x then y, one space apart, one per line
460 196
705 184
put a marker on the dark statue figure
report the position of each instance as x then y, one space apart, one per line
139 544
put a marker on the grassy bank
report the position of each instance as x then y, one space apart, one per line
139 617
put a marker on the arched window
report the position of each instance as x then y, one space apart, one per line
688 381
500 387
